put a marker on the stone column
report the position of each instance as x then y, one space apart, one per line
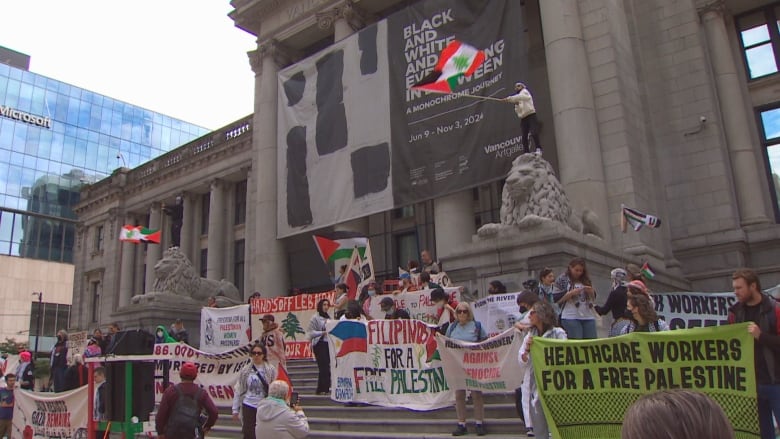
153 251
268 255
126 272
345 18
216 243
453 219
573 107
737 123
187 226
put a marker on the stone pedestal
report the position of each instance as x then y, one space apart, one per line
162 309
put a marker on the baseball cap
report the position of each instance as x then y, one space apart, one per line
386 302
268 317
188 371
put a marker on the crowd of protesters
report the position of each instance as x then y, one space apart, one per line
559 307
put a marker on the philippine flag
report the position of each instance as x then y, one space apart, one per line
353 336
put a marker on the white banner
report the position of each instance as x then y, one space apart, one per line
489 366
292 314
694 310
217 373
497 312
417 303
50 415
224 329
77 343
390 363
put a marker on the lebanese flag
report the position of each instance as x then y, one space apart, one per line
456 60
136 234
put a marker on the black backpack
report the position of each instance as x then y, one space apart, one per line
184 420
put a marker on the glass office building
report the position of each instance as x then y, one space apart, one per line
54 138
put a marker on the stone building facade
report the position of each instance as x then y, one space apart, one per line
653 103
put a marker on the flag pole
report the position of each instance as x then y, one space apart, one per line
465 95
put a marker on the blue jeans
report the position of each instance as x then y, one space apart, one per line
577 329
768 404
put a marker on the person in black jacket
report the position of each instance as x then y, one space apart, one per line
59 360
391 312
100 398
763 313
616 301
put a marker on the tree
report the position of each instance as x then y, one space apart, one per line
291 326
11 346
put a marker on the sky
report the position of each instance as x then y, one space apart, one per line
182 58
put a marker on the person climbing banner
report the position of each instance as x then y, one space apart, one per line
586 385
293 314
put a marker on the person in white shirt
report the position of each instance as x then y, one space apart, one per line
524 107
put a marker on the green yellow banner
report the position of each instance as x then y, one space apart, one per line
586 386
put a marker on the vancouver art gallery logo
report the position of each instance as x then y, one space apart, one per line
13 113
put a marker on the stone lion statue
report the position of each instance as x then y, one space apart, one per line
532 195
176 275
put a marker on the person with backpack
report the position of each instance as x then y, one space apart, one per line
251 388
465 328
181 406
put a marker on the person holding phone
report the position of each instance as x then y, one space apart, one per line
575 295
280 416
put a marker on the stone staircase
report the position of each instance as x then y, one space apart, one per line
329 419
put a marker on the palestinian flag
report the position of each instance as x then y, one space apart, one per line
456 60
136 234
647 271
332 250
637 219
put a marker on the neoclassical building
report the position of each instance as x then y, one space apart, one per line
671 107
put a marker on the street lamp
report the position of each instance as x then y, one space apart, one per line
38 326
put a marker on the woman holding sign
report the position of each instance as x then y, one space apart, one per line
543 323
575 295
465 328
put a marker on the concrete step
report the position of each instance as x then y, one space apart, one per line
330 419
422 424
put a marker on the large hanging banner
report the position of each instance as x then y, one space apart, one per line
497 312
586 386
390 363
224 329
217 373
50 415
694 310
354 140
489 366
417 303
292 314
